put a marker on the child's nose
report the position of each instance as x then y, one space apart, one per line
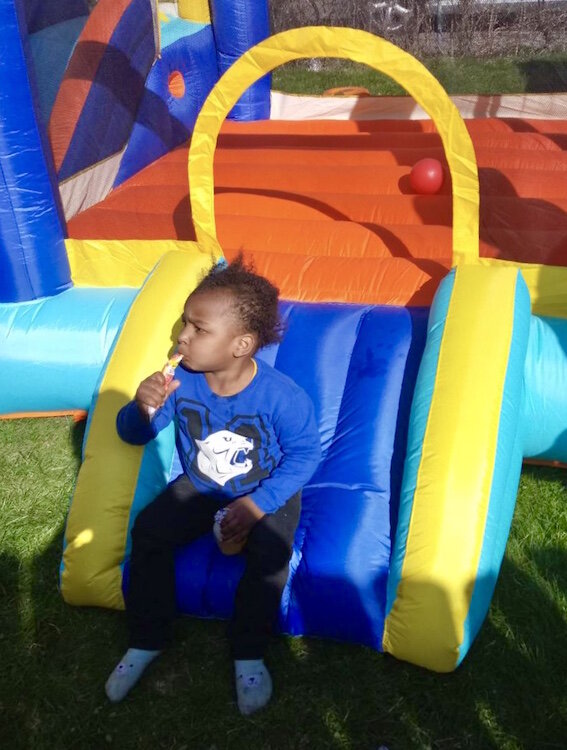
183 337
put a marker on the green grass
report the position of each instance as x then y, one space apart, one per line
458 76
510 692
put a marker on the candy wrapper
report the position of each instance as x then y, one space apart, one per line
227 548
168 371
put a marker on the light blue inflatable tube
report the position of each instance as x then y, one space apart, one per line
545 403
53 349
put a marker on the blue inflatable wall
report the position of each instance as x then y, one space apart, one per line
238 26
163 121
33 260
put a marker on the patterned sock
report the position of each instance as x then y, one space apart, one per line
128 672
253 685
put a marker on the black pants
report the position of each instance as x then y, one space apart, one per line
179 516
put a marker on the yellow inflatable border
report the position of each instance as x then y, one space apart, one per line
358 46
194 10
111 263
447 528
97 525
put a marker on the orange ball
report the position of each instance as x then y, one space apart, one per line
426 176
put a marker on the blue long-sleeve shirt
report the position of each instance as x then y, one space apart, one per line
261 442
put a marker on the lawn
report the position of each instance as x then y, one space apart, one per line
510 693
507 75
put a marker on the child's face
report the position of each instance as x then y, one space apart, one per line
211 336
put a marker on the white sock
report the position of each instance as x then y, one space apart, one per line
127 672
253 685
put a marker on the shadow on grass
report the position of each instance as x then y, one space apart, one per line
508 694
544 76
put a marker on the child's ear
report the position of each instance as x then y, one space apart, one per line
245 345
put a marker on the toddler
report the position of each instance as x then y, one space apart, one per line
248 443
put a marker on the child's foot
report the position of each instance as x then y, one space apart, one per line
253 685
128 672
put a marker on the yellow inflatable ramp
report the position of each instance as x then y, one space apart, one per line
98 521
462 468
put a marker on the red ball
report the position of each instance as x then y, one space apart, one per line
426 176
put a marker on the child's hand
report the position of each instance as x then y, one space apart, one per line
241 516
153 392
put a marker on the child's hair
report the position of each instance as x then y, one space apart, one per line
255 298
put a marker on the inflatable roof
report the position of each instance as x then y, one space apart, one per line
429 330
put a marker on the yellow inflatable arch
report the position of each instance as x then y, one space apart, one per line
361 47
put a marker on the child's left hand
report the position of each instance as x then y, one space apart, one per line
242 514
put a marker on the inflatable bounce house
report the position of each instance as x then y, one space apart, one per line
429 329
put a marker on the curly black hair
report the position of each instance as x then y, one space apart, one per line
255 298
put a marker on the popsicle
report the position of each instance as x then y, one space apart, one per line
168 371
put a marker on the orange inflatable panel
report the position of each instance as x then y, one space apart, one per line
324 206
